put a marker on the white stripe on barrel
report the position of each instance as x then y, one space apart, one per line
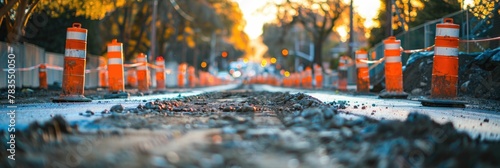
361 65
392 46
114 48
115 61
142 67
141 59
361 56
75 53
447 32
76 35
446 51
392 59
41 69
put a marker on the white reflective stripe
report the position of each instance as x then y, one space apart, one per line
342 67
76 35
446 51
361 56
361 65
392 46
75 53
159 70
114 48
392 59
115 61
160 63
142 67
41 70
141 60
451 32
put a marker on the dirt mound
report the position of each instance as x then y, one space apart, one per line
479 74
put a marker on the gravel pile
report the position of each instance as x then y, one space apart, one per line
248 129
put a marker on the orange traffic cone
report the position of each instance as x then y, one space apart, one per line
363 82
103 73
191 77
393 70
115 68
160 74
42 76
445 66
142 74
181 75
74 66
318 73
342 68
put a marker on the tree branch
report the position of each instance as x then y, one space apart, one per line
7 7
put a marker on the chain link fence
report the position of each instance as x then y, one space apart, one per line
423 36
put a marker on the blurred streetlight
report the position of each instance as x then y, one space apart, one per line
273 60
263 63
224 54
284 52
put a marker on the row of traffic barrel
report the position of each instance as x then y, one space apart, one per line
444 72
112 73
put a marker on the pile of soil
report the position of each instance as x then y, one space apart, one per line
479 74
247 129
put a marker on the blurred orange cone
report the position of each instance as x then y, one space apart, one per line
116 73
363 82
42 76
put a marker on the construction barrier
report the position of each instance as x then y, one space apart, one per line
74 65
344 63
393 69
42 76
181 75
445 68
363 81
191 77
142 73
116 80
318 76
160 74
103 73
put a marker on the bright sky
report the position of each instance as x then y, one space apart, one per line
366 8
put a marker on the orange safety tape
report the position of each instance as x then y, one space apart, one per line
480 40
417 50
132 65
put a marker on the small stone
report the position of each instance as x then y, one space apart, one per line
117 108
89 112
105 111
228 109
297 106
346 132
416 91
486 120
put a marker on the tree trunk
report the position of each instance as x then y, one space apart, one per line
318 47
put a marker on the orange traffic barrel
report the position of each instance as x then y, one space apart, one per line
393 69
74 65
445 69
181 71
132 77
318 76
42 76
342 68
103 73
160 74
445 66
363 82
142 73
191 77
116 72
